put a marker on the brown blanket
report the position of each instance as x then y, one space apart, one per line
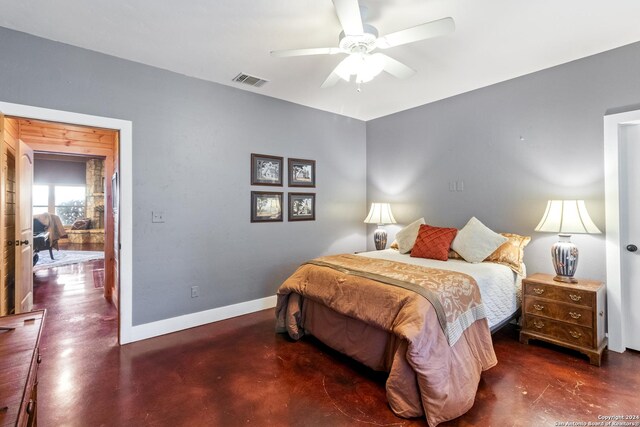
54 225
455 296
427 376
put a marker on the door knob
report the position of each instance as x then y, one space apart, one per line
22 242
632 248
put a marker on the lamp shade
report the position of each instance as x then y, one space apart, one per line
567 217
380 213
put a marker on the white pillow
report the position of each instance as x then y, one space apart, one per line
407 236
476 241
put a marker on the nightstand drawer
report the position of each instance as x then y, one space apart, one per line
556 310
557 293
572 334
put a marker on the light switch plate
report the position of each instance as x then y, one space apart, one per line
157 216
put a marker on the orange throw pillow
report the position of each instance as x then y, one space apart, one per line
433 242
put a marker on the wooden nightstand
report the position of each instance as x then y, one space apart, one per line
566 314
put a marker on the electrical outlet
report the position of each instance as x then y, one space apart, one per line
195 291
157 216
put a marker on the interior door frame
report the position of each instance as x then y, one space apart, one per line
125 127
616 314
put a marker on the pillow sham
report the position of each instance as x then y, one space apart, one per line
407 236
433 242
394 245
475 241
511 253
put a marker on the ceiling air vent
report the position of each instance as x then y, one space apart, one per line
249 80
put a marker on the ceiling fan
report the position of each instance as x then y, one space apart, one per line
358 40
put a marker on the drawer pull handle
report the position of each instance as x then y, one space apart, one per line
538 324
575 297
538 291
575 315
575 334
538 307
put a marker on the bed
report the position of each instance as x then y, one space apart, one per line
362 306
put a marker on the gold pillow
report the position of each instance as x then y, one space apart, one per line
394 245
455 255
511 252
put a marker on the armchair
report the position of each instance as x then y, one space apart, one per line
41 238
47 230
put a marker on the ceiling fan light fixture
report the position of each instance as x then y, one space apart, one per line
362 65
358 40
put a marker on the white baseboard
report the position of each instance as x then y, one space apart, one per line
174 324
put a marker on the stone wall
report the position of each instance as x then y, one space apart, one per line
85 236
95 193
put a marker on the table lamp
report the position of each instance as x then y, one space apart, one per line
380 214
566 217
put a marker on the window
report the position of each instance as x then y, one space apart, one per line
66 201
40 194
70 203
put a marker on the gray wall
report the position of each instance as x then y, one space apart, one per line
192 142
476 137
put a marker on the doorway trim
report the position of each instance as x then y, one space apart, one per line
615 304
125 127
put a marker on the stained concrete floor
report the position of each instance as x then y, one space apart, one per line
239 372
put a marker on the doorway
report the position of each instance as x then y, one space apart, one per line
622 154
124 184
68 199
61 203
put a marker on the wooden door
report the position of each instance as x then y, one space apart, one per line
115 197
630 232
4 291
24 229
8 142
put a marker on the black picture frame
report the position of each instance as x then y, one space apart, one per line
302 173
302 206
266 170
266 206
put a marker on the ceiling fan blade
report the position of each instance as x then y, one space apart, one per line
303 52
348 12
331 80
417 33
395 68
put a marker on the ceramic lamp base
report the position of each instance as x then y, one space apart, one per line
380 238
564 254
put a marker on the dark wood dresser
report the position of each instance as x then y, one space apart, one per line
19 359
566 314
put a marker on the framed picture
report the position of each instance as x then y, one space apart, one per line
266 206
266 170
302 173
302 206
115 193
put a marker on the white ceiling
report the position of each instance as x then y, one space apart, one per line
495 40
